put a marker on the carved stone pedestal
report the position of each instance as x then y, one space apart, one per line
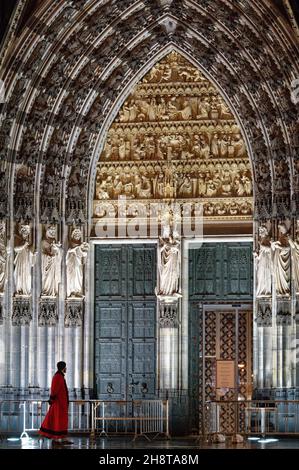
168 308
283 315
74 312
168 311
48 313
21 314
264 313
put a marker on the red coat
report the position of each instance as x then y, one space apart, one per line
55 423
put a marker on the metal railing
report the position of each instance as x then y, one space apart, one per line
154 418
140 418
255 417
27 415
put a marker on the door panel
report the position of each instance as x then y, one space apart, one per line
226 335
125 330
110 272
221 271
220 275
141 271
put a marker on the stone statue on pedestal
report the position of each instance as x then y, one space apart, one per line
75 257
23 263
51 263
295 259
169 267
282 261
263 264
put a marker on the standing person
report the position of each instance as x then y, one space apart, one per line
55 424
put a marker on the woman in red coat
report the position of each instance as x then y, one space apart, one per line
55 424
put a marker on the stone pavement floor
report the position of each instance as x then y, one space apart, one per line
126 442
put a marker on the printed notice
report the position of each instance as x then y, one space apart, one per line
225 374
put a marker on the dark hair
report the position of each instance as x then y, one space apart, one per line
61 365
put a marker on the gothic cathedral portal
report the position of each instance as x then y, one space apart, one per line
149 214
173 155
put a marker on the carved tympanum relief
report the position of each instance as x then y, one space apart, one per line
175 138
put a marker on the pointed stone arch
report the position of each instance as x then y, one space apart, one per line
112 124
258 87
101 138
66 75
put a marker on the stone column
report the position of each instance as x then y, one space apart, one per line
169 343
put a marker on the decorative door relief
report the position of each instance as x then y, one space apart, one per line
221 272
24 259
125 321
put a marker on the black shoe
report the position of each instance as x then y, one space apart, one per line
56 443
66 442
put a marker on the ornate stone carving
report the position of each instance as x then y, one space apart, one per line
282 261
21 314
283 315
48 314
295 258
176 138
169 261
264 264
3 193
264 313
23 261
76 256
51 263
168 314
230 43
73 313
23 201
3 256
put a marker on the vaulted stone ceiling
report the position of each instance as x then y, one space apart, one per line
73 65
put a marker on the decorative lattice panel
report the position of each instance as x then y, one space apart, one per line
218 335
